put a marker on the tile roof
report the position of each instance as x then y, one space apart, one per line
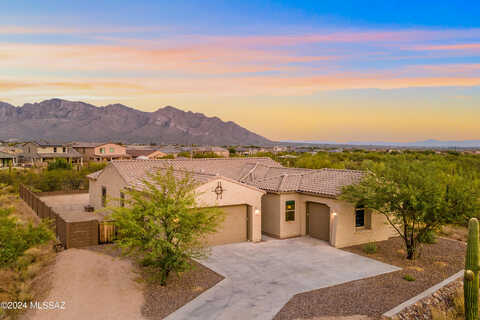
262 173
94 175
71 153
89 144
199 178
140 152
5 155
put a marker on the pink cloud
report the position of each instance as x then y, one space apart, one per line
193 59
18 30
464 46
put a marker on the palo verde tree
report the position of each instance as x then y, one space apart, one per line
162 223
416 197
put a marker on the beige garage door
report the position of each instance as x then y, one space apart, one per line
233 228
319 221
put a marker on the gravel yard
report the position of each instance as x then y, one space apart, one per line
161 301
376 295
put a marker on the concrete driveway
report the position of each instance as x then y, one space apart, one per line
261 277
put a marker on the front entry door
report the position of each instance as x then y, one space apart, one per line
318 221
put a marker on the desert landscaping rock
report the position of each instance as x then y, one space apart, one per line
442 299
161 301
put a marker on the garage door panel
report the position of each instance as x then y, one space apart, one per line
234 227
319 221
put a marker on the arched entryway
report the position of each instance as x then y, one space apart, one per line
318 220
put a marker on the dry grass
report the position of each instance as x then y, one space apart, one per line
28 279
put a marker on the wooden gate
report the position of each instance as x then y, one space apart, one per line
106 231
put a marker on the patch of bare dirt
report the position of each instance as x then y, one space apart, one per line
160 301
92 286
455 232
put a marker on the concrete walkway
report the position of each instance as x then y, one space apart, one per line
260 278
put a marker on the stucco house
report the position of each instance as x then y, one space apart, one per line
40 153
150 154
206 150
259 196
100 151
7 159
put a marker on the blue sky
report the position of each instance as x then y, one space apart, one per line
319 70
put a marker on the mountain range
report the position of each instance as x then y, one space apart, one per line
58 120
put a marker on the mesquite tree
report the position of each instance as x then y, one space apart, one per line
416 197
162 224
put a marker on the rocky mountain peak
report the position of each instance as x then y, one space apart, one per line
60 120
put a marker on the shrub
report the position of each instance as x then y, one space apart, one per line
428 237
16 238
163 225
59 163
370 248
408 278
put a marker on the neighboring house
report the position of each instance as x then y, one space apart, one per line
263 197
100 151
149 154
218 151
170 150
276 149
6 159
339 150
37 153
248 151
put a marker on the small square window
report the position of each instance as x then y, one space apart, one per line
102 150
112 150
54 149
290 210
64 149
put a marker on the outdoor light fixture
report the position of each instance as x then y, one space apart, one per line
334 214
257 212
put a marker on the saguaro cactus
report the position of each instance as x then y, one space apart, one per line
470 280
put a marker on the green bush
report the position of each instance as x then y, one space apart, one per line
59 163
428 237
50 180
370 248
408 278
16 238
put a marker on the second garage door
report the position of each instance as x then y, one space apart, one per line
234 227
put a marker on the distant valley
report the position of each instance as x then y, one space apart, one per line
431 143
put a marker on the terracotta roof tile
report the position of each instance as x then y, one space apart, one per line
262 173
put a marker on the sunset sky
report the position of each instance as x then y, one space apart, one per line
289 70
